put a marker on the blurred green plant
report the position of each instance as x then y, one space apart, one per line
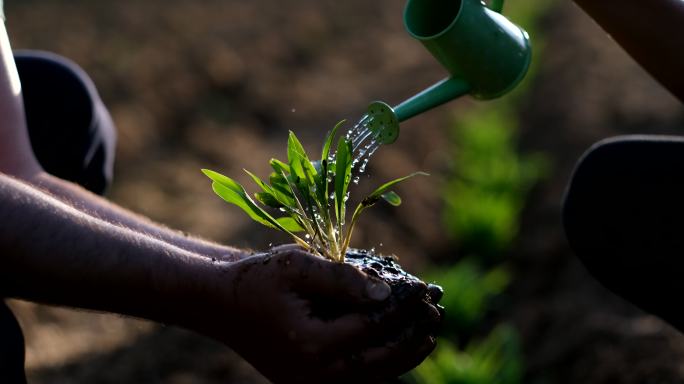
491 182
468 291
494 360
483 200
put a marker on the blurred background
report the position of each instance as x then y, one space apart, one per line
218 84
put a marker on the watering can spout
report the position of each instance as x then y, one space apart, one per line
485 53
438 94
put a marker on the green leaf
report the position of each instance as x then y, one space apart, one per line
297 171
296 155
290 224
232 192
294 147
279 167
265 187
310 172
343 166
282 196
299 161
381 190
223 180
279 183
392 198
322 179
267 199
245 203
282 190
329 139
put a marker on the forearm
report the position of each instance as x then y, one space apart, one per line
52 253
96 206
16 158
652 32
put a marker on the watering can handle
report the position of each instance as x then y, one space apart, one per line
496 5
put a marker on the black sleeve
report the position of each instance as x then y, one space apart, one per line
71 131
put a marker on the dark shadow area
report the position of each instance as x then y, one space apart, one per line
166 355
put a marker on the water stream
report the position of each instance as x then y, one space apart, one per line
364 145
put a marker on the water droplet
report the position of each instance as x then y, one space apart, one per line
361 138
294 110
381 244
283 210
356 180
307 236
363 166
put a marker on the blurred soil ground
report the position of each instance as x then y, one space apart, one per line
218 84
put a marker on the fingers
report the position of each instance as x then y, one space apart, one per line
347 332
392 361
382 363
284 248
435 292
337 281
327 277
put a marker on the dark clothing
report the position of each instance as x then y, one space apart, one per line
11 348
71 131
73 138
623 218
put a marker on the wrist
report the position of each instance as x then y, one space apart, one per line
178 288
199 290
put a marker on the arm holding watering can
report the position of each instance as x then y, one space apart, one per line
651 31
62 244
623 206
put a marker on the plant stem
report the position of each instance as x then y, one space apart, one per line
305 219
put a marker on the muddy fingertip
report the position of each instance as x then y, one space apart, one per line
378 290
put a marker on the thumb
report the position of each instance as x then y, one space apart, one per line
341 281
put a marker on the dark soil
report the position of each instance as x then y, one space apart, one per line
411 299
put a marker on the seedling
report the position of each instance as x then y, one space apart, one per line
311 196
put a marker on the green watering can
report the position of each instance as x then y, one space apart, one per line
486 55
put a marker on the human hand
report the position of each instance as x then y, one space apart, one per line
268 308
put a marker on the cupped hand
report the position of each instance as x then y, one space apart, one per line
267 308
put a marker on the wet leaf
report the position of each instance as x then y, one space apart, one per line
268 200
279 167
322 179
392 198
343 166
232 192
223 180
329 139
381 190
290 224
295 155
245 203
299 161
265 187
